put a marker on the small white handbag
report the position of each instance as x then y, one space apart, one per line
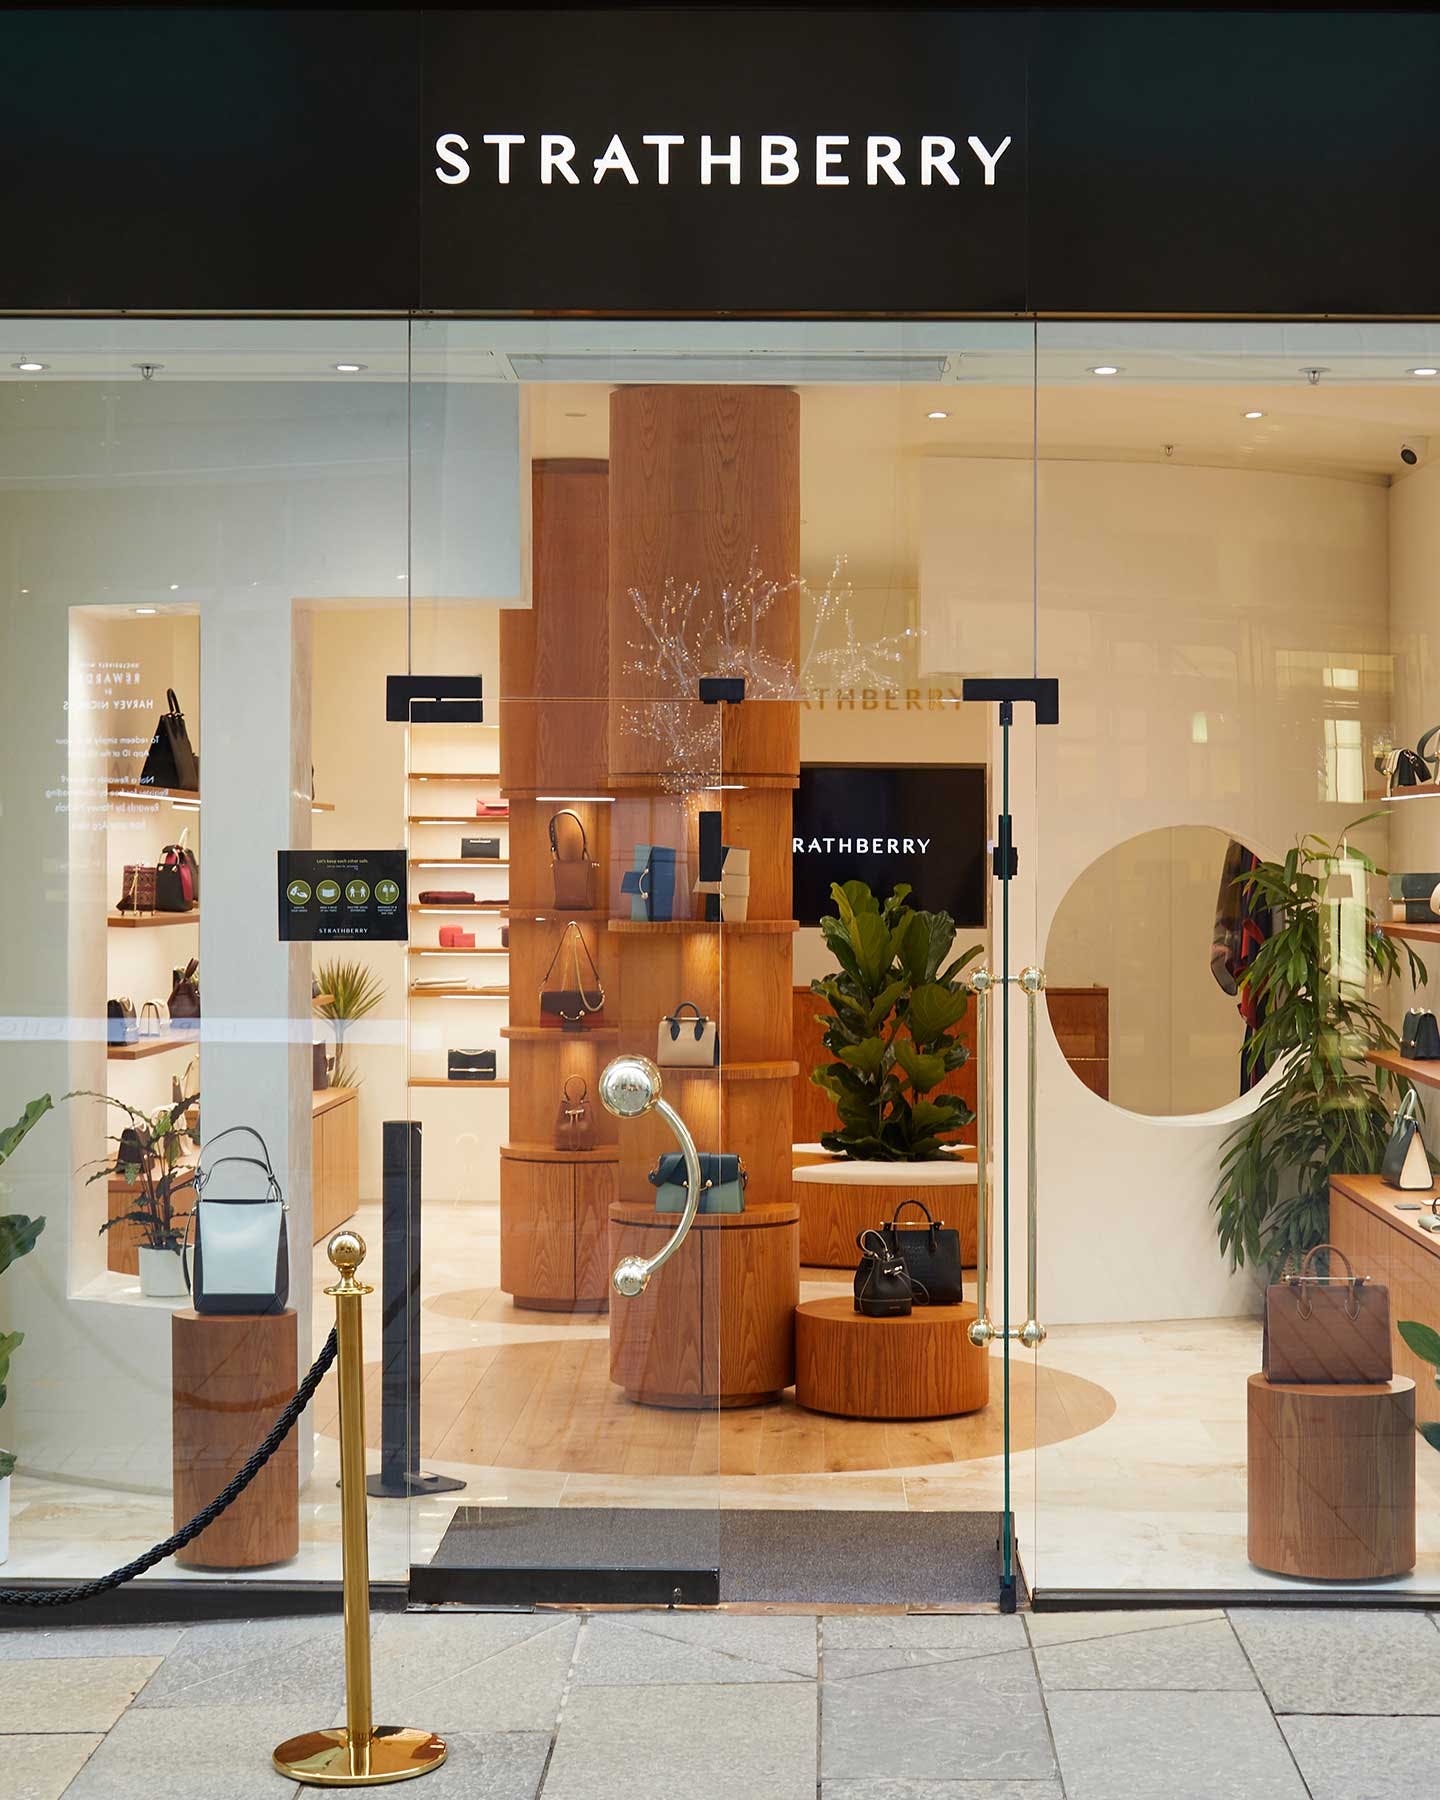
687 1039
242 1242
154 1019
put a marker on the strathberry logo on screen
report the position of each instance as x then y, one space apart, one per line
768 160
860 846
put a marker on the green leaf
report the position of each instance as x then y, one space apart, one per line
874 951
11 1136
18 1235
867 1057
1431 1435
1424 1340
922 943
925 1072
932 1010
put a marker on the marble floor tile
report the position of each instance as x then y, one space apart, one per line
1365 1759
494 1672
253 1663
27 1644
71 1693
1158 1746
1077 1627
980 1718
194 1753
43 1766
676 1648
1175 1656
654 1743
1335 1660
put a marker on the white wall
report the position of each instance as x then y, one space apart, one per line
1168 595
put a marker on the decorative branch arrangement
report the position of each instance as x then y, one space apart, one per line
683 635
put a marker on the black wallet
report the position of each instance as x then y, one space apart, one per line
480 849
471 1065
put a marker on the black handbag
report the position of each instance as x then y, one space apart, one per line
121 1025
1420 1038
931 1252
883 1288
242 1241
1406 1163
171 762
470 1065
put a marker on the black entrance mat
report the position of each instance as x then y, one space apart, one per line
512 1556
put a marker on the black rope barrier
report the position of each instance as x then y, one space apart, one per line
233 1489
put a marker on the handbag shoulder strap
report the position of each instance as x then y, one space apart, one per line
566 813
174 703
230 1131
577 944
1422 749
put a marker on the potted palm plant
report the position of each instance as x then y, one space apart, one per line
149 1156
348 992
18 1235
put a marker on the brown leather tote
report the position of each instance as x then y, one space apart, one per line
570 863
1327 1328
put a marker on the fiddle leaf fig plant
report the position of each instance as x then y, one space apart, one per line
895 1008
1424 1340
18 1236
1313 987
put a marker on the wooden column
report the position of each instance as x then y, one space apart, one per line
554 678
232 1377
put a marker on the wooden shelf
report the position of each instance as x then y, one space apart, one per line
1422 790
731 927
593 796
711 784
132 790
1419 934
176 1040
458 862
448 950
322 806
486 778
150 921
498 818
443 1081
602 1153
736 1071
1423 1074
459 906
535 1034
458 992
544 915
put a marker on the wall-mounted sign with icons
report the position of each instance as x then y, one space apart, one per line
353 894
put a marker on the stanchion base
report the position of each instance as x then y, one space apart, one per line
322 1758
380 1488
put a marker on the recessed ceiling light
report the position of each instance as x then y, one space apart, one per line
143 610
28 366
1413 371
349 368
937 414
1105 369
174 587
24 590
1254 415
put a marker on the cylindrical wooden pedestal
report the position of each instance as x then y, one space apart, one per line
715 1326
1332 1479
920 1367
838 1200
231 1378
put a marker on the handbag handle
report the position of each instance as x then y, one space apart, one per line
1422 749
674 1020
566 813
929 1216
174 703
1350 1276
884 1252
229 1131
1406 1109
584 1090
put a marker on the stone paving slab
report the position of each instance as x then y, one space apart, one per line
1338 1660
1157 1746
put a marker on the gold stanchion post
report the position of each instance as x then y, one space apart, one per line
357 1753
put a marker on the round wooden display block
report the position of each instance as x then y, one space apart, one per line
920 1367
1332 1479
232 1376
840 1199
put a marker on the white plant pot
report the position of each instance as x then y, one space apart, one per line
162 1275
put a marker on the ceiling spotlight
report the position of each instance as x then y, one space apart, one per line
1254 415
937 414
147 370
174 587
27 365
349 368
1413 371
1105 369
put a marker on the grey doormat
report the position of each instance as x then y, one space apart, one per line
578 1554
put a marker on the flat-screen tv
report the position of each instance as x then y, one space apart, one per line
881 824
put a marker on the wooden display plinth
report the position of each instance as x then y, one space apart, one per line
715 1326
553 1214
1331 1489
838 1200
232 1377
919 1367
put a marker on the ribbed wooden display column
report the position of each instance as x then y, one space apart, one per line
705 483
554 683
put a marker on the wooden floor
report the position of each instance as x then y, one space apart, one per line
549 1404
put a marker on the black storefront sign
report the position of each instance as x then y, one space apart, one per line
755 160
349 896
